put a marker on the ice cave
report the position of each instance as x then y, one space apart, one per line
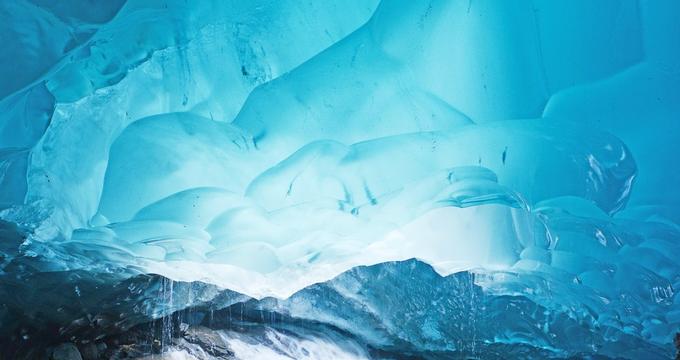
339 179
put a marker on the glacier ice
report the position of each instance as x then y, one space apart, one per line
291 159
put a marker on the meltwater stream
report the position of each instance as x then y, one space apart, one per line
339 179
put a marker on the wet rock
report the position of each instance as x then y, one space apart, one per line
208 340
89 351
129 352
172 355
66 351
101 347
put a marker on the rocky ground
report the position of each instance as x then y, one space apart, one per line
191 342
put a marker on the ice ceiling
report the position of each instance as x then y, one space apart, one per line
263 146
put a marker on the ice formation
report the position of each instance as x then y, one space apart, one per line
526 151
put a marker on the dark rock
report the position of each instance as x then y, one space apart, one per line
89 351
66 351
129 352
209 340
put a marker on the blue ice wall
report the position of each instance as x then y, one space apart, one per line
266 146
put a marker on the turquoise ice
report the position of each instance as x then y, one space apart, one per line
266 146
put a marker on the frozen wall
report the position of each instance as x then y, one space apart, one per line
266 146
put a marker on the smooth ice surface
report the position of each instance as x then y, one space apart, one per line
266 146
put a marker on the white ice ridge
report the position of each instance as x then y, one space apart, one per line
203 207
